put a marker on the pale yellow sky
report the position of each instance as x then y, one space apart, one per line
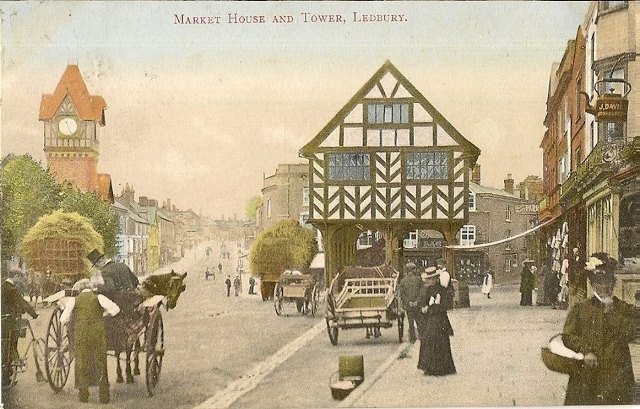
197 113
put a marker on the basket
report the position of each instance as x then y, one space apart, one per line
559 363
349 376
341 389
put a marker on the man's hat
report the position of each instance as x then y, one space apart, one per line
430 272
410 267
94 256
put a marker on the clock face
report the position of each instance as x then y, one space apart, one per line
67 126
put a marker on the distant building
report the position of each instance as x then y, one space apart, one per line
494 214
72 119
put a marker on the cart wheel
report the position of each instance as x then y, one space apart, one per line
277 299
333 332
57 352
400 326
154 344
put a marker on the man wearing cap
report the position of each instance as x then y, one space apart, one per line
117 276
409 289
601 328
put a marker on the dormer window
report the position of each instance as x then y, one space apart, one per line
381 113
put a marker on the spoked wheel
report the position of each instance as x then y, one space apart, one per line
39 347
314 301
400 326
154 344
333 332
277 299
57 352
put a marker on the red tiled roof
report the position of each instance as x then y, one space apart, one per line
105 189
89 107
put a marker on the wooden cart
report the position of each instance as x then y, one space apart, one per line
59 353
364 297
293 286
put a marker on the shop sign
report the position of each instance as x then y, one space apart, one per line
526 209
611 108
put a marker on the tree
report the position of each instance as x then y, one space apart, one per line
286 245
28 192
251 207
98 211
60 242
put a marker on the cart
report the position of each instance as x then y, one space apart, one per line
293 286
149 334
364 297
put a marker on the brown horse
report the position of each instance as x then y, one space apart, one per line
129 327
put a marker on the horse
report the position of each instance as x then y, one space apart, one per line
169 285
42 285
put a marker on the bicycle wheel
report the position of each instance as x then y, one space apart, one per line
38 357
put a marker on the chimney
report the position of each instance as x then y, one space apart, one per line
508 184
153 203
475 174
169 204
143 201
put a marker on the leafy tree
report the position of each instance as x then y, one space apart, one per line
286 245
28 192
45 242
251 207
98 211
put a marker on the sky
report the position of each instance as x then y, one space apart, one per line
200 113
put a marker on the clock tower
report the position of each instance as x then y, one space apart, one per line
72 119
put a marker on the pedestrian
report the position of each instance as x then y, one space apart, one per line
90 337
236 285
441 267
252 283
487 282
220 268
526 285
435 328
13 306
563 295
601 328
409 290
207 273
227 282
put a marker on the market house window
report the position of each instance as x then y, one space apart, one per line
467 235
349 166
305 196
427 165
381 113
472 201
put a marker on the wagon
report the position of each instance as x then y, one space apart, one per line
298 288
146 335
364 297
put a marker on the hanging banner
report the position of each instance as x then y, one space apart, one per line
493 243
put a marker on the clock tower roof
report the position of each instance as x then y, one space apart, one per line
89 107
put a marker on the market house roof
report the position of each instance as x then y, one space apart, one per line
89 107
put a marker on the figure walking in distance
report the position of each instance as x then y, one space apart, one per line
90 337
227 282
236 285
410 286
435 328
526 285
252 283
601 328
487 282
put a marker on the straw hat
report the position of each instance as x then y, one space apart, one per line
430 272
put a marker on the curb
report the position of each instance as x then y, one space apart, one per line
369 382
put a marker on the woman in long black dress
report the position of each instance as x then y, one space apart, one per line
435 328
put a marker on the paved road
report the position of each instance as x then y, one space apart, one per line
225 352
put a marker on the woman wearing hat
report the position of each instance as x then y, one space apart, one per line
601 328
435 328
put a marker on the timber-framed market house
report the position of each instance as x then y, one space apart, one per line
387 161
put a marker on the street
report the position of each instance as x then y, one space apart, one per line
212 340
235 352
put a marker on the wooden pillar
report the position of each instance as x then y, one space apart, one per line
392 248
450 239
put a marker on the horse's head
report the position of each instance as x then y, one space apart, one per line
175 287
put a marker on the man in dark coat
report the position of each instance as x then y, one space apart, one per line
117 276
13 306
526 285
227 282
409 289
601 328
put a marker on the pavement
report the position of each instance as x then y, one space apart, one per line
496 350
